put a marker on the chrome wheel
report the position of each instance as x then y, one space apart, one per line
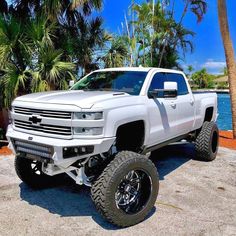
133 191
127 189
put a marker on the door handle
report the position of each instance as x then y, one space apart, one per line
191 101
173 104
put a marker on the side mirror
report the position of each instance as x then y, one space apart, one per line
170 91
71 83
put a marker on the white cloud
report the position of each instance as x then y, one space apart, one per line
211 64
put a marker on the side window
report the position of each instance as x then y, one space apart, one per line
181 83
157 81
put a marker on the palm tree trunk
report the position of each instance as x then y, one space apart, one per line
230 59
181 20
184 12
151 36
144 52
162 53
129 38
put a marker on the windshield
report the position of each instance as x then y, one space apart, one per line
122 81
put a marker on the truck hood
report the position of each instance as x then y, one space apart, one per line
82 99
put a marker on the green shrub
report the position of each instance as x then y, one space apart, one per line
222 85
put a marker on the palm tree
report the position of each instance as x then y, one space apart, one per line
28 59
51 72
40 40
13 59
197 7
199 78
116 54
55 10
89 38
3 6
170 58
230 58
190 70
202 79
143 22
153 36
11 35
178 36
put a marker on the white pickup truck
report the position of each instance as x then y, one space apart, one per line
101 131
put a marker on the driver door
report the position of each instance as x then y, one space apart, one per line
162 113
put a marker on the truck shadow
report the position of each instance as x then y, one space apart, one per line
169 158
71 200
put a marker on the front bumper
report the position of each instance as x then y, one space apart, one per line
56 146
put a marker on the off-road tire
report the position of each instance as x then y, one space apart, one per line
25 172
207 141
104 189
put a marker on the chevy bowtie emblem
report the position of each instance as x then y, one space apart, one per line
35 120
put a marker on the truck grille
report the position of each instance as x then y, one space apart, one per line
33 149
43 113
49 129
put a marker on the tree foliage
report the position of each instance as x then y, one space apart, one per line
153 35
202 79
116 53
44 44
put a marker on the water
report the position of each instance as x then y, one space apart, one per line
224 120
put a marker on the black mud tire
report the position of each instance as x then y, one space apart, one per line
207 142
105 188
31 174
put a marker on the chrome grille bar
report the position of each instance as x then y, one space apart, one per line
43 113
51 129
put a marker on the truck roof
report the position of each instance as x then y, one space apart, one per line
144 69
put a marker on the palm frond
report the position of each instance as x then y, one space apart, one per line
13 81
199 8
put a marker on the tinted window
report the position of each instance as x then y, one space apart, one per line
179 79
157 81
159 78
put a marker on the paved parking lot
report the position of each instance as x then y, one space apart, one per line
195 198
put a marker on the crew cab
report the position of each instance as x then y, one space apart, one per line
102 130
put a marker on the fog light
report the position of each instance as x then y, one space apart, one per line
76 151
88 130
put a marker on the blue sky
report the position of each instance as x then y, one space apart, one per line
208 48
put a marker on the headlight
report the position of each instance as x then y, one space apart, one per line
88 115
88 130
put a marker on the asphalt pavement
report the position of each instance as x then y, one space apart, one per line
195 198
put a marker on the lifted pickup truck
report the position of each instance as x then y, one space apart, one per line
102 131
